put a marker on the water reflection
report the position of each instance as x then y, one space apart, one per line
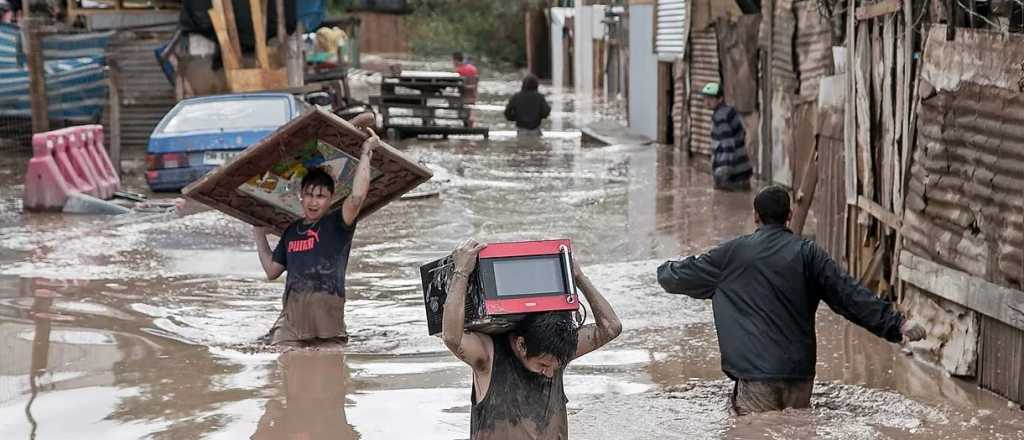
311 400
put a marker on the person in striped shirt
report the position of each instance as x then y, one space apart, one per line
730 165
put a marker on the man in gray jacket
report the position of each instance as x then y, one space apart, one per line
765 288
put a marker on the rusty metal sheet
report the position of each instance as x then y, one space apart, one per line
976 56
830 204
680 105
782 125
801 144
737 46
830 201
229 188
783 62
704 68
813 47
964 206
1001 364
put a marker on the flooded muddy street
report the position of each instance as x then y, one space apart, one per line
145 328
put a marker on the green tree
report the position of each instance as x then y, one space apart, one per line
488 30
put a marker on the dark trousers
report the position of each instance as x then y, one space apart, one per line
752 396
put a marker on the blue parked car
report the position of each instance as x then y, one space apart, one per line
201 133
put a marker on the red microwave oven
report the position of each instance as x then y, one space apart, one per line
510 280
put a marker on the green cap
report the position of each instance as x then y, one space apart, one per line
711 89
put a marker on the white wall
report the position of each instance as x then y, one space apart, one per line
643 72
583 50
557 18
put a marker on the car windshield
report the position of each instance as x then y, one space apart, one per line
223 114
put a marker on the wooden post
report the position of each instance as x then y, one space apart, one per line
37 77
282 30
259 31
531 61
805 195
766 95
227 54
115 114
296 59
850 139
849 127
228 11
285 45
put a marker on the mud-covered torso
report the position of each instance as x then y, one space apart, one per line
519 404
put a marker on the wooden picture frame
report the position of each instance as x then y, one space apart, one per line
392 173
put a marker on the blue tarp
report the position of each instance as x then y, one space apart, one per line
76 85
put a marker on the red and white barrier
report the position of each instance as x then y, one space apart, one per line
67 161
94 134
62 156
83 163
45 186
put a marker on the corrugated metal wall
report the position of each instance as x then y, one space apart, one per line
999 366
829 204
813 48
671 27
783 58
680 106
704 68
964 204
964 207
146 94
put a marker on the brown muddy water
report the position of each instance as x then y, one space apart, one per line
143 328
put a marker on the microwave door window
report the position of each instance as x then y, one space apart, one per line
528 276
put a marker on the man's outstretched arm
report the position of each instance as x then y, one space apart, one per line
855 302
694 276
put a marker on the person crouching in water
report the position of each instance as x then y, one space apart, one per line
315 251
528 108
517 377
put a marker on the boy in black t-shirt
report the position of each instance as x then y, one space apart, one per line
315 250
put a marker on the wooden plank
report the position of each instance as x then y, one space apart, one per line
114 72
884 7
227 9
255 80
887 126
282 31
995 301
37 82
765 158
873 270
862 74
849 127
226 55
877 211
663 104
805 196
259 30
900 119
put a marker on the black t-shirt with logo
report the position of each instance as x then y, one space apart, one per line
316 255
